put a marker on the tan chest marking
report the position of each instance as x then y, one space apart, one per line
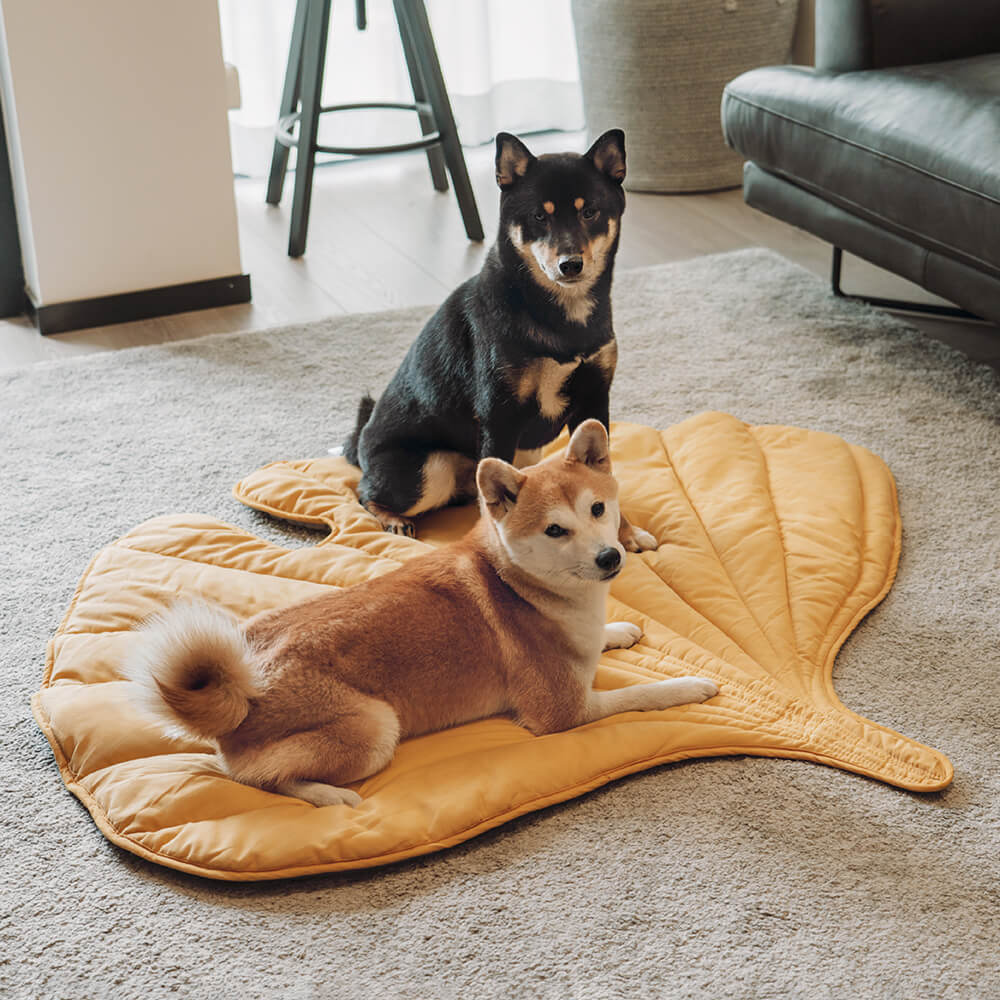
575 301
606 358
545 379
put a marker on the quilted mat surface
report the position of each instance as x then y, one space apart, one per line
774 543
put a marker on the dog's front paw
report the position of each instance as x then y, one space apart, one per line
695 689
621 635
678 691
637 539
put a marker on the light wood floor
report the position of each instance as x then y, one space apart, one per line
381 237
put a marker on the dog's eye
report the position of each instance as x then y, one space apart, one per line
540 216
598 509
555 531
589 213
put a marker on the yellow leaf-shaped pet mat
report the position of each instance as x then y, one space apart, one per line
775 541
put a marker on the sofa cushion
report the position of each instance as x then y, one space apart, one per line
915 149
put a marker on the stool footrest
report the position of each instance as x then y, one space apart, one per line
283 132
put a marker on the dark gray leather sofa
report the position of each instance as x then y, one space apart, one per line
890 147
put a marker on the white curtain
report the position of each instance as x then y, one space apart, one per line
508 64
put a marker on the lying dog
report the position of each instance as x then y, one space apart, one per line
515 353
509 620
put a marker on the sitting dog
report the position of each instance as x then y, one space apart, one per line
509 620
515 353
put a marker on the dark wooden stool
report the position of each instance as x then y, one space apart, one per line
303 89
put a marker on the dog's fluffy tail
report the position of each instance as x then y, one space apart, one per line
193 670
365 408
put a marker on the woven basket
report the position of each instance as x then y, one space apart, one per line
656 68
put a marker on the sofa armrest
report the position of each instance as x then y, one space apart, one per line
872 34
843 35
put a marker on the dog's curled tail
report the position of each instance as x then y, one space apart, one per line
193 670
365 408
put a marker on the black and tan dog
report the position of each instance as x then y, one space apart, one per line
514 354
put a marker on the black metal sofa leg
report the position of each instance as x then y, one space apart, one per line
904 305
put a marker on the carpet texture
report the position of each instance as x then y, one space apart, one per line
737 877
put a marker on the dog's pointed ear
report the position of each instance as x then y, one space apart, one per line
513 159
589 445
608 154
499 484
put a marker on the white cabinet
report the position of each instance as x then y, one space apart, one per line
119 150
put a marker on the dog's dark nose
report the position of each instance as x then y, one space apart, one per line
570 267
608 559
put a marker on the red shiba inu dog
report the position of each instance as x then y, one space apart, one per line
510 620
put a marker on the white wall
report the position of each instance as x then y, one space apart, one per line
116 120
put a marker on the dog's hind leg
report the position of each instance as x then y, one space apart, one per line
399 485
319 794
314 764
391 485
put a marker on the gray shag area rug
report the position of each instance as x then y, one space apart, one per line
728 878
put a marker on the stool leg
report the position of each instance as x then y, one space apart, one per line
415 15
313 58
289 102
435 158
